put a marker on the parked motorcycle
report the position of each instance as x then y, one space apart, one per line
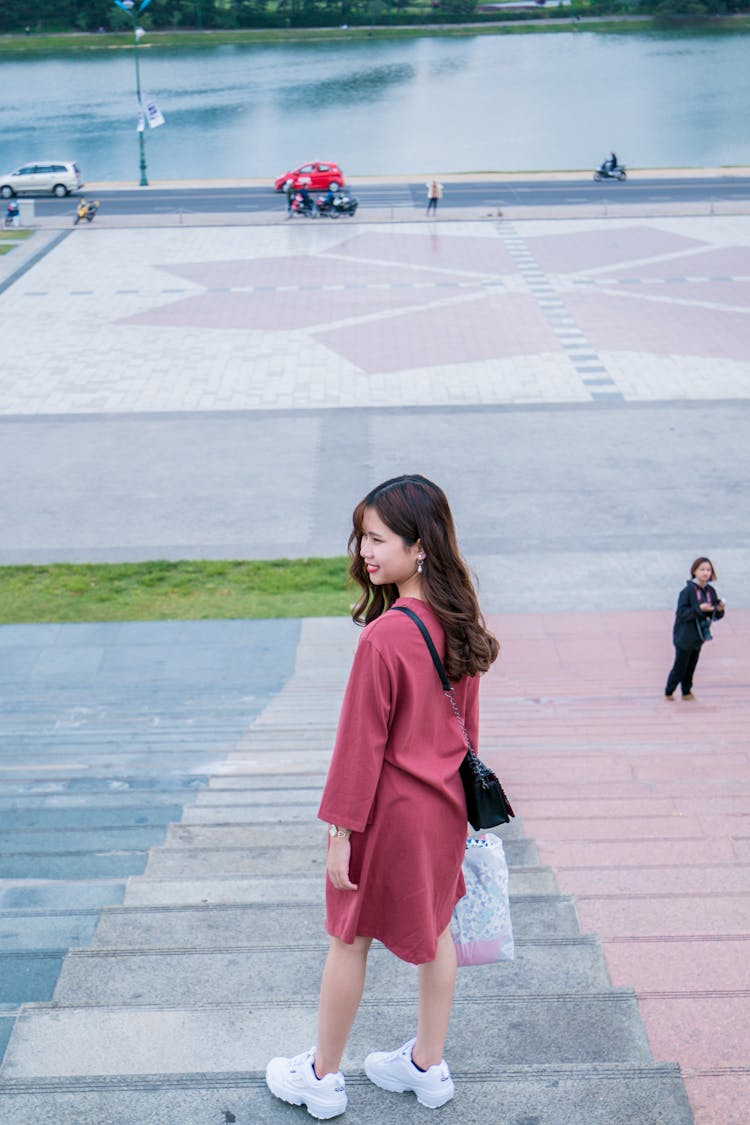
609 172
86 209
335 204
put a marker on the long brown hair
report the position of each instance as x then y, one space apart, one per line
416 509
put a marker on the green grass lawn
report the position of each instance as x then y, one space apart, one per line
10 238
186 591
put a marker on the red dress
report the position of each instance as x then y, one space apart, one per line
394 781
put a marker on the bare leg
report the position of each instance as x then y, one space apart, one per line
340 994
437 982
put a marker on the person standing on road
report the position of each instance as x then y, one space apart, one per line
434 194
393 797
697 606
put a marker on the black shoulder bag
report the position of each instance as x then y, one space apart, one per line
486 803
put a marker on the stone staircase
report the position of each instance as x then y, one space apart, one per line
178 919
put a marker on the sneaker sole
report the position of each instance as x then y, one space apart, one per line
297 1099
400 1088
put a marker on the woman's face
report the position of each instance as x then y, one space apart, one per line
387 557
703 573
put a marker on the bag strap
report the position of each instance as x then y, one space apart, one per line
448 690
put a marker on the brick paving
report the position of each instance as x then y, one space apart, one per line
327 315
641 808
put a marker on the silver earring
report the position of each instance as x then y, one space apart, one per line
419 563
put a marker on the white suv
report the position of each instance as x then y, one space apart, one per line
59 177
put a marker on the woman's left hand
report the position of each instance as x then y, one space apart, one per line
337 864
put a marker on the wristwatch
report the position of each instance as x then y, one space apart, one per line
334 831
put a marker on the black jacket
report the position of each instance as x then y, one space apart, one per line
685 633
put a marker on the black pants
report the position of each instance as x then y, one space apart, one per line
683 670
432 204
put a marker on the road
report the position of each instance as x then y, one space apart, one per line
528 193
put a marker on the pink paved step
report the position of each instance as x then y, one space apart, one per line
642 807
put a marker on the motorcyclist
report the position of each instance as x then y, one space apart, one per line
307 201
612 161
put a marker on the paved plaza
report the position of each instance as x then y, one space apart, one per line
233 390
331 315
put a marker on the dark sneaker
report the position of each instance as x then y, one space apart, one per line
395 1071
295 1081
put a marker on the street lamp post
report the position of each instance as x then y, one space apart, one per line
128 6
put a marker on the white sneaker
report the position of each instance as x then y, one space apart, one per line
395 1071
295 1081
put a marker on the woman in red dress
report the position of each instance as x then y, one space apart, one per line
393 798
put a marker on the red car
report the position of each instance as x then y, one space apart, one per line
318 176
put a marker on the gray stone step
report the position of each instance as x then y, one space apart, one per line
147 787
7 1021
187 977
46 930
72 865
539 1028
38 894
70 804
17 822
261 923
28 976
239 782
35 841
247 826
586 1094
184 862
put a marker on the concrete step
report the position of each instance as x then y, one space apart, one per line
42 894
70 804
174 786
189 977
243 827
88 814
594 1094
38 841
45 930
260 923
53 1039
183 862
296 888
28 976
74 865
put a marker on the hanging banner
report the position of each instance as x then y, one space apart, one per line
141 123
153 113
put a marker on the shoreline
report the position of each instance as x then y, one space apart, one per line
19 45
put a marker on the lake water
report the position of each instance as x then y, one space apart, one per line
469 103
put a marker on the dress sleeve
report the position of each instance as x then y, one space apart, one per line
361 740
471 710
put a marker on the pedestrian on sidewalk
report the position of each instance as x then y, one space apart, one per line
393 798
434 194
697 606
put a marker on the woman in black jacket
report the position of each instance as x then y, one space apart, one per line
697 606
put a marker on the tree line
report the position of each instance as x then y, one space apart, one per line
34 16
